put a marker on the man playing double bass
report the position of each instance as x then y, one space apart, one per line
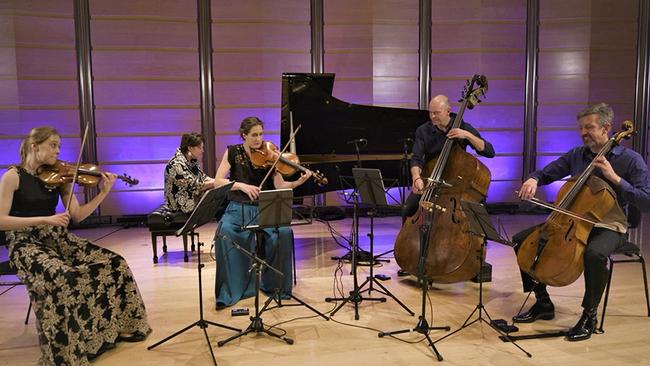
430 138
627 174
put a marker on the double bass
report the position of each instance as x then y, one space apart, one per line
453 254
553 253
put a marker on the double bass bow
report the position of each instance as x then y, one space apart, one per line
453 255
553 252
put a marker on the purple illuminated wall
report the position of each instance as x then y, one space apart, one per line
486 38
254 42
587 55
146 73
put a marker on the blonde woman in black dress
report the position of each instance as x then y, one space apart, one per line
84 296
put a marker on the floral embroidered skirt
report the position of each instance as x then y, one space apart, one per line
83 295
235 280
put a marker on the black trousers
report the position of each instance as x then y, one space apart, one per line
601 243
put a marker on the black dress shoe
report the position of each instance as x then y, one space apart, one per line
540 310
584 328
137 336
402 273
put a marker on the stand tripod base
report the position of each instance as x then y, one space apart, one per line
362 256
279 304
423 328
384 290
355 298
256 326
203 324
481 309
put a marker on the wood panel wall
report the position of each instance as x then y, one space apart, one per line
37 75
146 77
587 55
489 38
146 72
372 46
254 42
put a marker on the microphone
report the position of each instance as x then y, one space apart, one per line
407 140
357 141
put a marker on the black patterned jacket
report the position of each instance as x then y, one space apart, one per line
183 183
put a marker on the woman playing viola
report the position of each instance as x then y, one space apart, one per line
84 296
234 279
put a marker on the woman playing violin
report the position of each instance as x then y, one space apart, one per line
625 171
234 279
84 296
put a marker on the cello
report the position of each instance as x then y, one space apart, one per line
453 254
553 253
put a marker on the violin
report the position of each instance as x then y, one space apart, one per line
288 163
88 175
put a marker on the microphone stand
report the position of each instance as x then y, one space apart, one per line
423 326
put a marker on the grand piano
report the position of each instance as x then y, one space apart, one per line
329 126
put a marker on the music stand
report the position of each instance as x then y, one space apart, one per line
355 296
373 194
202 214
275 211
481 226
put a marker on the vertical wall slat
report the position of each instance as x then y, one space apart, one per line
206 80
530 96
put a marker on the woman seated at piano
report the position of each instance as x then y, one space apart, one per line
185 182
234 279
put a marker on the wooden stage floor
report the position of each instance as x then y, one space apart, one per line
169 290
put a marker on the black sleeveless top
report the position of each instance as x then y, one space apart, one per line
32 197
243 171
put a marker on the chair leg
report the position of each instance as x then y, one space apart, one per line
197 239
185 257
164 243
645 284
609 282
154 245
293 257
29 310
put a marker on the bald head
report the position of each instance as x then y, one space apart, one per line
439 111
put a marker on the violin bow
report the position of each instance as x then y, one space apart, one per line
550 206
76 169
291 137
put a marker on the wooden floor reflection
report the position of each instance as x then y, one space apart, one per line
170 293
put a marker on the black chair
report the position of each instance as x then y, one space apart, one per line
163 222
7 270
632 254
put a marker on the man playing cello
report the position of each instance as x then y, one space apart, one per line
621 168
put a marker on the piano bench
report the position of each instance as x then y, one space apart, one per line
163 222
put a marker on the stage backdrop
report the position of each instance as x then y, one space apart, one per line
146 73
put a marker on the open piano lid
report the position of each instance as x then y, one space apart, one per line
329 123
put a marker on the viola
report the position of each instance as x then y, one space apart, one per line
88 175
287 163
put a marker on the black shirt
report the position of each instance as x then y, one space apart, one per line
243 171
33 198
429 141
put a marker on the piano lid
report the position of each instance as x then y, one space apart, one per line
329 123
